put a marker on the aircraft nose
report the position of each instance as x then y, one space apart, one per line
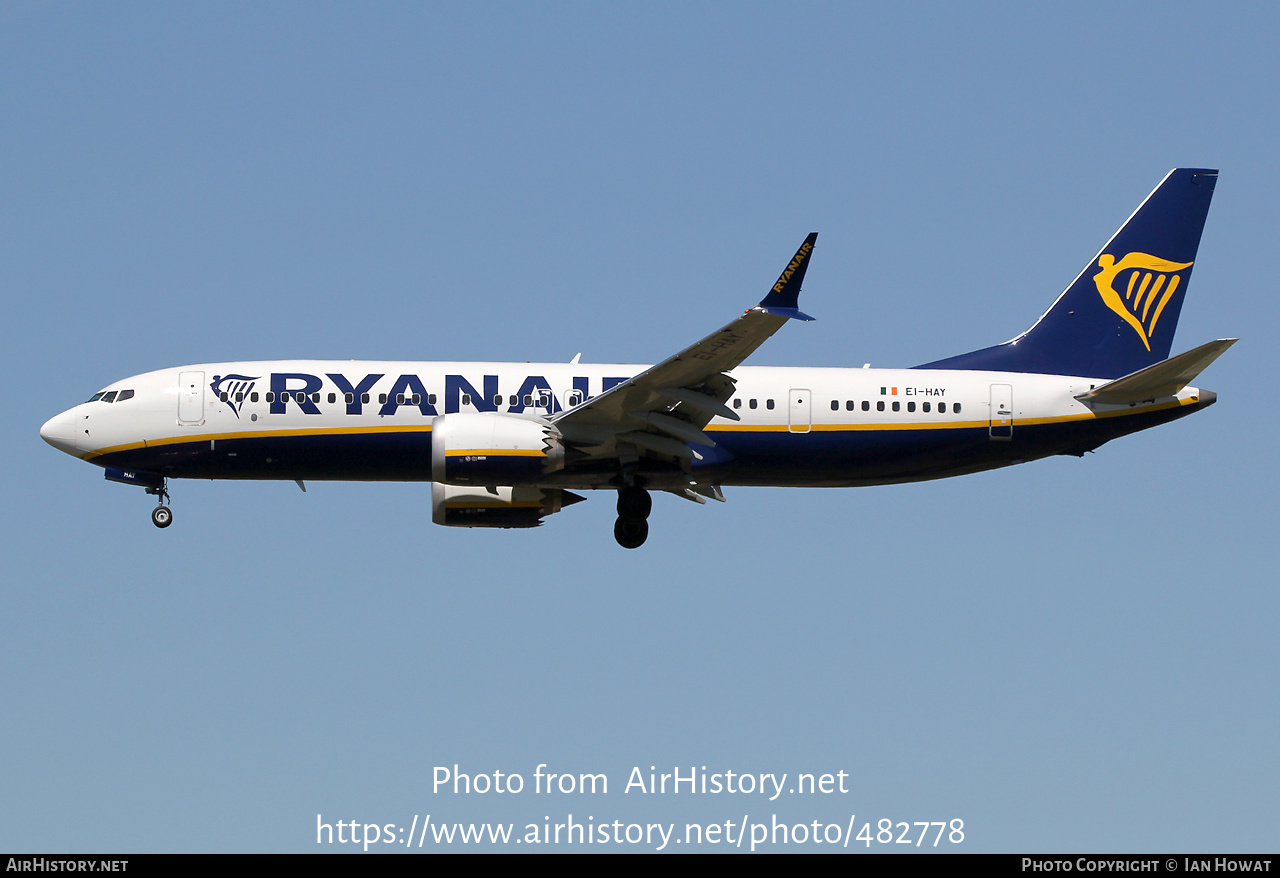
60 432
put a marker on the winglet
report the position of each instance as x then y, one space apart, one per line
784 299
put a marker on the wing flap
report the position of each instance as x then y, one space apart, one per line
700 401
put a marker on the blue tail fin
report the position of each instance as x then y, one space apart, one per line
1120 313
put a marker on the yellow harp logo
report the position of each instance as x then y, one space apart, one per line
1151 284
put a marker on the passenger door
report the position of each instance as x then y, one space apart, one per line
191 398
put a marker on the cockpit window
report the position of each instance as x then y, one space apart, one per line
97 396
110 397
124 394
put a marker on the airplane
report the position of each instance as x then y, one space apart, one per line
506 445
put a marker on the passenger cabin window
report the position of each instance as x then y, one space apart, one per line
752 403
400 399
466 399
239 396
768 403
382 399
417 399
737 403
349 398
897 406
866 405
835 405
333 397
849 405
911 406
223 396
253 397
955 408
528 399
431 399
271 397
364 398
880 405
925 407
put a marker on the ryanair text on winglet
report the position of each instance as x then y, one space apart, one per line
805 249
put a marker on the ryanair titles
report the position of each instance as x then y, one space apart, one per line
805 249
300 391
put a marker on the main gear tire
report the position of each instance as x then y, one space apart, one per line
634 503
630 534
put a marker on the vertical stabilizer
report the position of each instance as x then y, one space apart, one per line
1120 313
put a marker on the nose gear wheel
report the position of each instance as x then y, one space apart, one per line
162 515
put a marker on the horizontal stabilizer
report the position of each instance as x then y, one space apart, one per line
1165 378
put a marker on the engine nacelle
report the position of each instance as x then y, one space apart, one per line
488 448
521 506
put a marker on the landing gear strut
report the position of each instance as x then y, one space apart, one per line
632 527
161 516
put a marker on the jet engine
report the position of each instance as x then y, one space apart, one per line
489 448
521 506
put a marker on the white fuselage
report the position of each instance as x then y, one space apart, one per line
798 426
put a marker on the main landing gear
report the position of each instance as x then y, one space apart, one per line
161 516
632 527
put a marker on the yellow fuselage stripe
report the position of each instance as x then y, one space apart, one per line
494 452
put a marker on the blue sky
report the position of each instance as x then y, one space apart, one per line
1069 655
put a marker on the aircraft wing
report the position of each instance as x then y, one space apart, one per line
661 412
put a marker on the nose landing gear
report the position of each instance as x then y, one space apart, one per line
161 516
632 527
